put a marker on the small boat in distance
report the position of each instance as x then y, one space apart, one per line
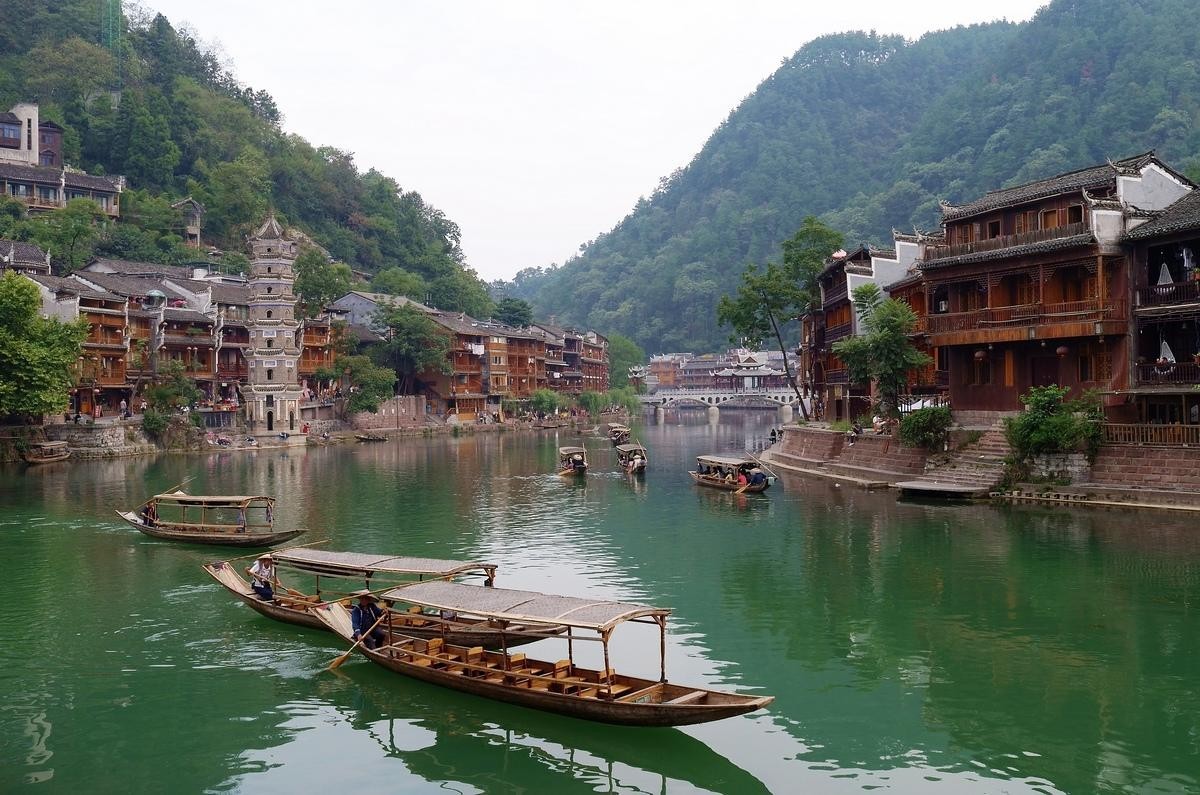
235 521
619 434
370 437
344 573
721 472
599 694
572 461
45 452
632 458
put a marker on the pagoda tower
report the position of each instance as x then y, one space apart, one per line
272 393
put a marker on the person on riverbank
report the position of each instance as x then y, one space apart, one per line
262 577
364 617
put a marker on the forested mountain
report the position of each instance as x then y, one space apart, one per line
869 132
140 98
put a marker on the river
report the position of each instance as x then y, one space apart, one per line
916 648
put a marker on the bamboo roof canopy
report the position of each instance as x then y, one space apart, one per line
571 450
630 448
524 606
223 501
351 563
724 460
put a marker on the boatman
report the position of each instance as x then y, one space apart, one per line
577 462
364 617
262 577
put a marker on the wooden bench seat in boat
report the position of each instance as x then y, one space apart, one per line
689 698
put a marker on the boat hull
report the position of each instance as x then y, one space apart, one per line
647 703
720 484
249 539
34 460
301 614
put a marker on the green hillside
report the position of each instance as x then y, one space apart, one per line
139 98
869 132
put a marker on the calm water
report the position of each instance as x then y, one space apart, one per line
912 648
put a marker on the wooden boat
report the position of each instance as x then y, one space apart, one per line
572 461
711 470
633 458
619 434
46 452
296 606
370 437
235 521
561 686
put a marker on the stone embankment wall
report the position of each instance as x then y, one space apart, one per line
803 445
103 440
871 457
404 411
1071 467
1165 468
883 453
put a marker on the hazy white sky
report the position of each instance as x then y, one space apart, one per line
533 124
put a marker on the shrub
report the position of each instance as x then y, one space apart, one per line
928 427
197 419
842 426
154 423
1051 424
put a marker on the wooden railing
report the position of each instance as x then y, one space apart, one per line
1004 241
1088 309
1167 294
1157 435
1169 373
840 331
837 377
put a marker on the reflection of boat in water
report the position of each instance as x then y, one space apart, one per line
721 472
45 452
572 461
469 747
375 571
234 521
633 458
562 687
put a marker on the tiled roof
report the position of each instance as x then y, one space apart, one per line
1072 181
362 333
65 285
22 252
51 176
89 182
1182 216
387 298
1057 244
141 268
913 277
186 315
458 322
8 117
121 284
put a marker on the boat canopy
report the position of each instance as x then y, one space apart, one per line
630 448
524 606
231 501
571 450
724 460
355 563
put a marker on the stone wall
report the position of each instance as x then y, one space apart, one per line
981 419
1131 466
1071 467
403 411
882 454
103 440
804 444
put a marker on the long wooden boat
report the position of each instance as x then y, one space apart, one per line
561 686
233 521
619 434
46 452
370 437
711 471
633 458
572 461
294 606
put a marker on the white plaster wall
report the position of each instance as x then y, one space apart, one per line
907 254
1154 189
1107 226
28 114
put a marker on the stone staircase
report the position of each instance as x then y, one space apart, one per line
973 470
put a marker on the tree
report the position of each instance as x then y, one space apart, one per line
370 383
36 354
545 401
319 281
397 281
412 344
623 353
804 256
882 351
592 402
513 312
68 70
70 233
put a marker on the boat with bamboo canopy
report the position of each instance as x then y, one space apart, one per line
235 521
46 452
572 461
633 458
619 434
346 572
560 686
721 472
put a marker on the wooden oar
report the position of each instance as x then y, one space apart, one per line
758 461
333 666
743 488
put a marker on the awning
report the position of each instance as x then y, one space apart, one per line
232 501
522 606
723 461
352 563
570 450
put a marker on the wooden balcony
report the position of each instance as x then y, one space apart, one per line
234 372
837 376
1004 241
1168 374
838 332
1051 320
1152 435
1169 294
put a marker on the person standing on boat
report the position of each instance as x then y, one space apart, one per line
364 618
262 577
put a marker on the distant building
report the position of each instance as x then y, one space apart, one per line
23 257
359 307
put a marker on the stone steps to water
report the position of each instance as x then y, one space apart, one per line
975 468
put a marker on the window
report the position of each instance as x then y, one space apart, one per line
15 189
10 135
498 340
46 159
980 373
268 333
270 375
1075 214
993 229
47 193
1049 219
268 314
497 360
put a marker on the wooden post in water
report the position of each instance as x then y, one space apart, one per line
662 648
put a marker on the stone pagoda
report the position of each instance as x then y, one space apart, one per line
272 392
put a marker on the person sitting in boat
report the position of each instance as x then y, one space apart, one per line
364 618
577 462
729 476
742 480
757 478
262 577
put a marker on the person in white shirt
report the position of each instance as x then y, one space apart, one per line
262 577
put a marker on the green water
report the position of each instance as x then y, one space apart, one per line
911 648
